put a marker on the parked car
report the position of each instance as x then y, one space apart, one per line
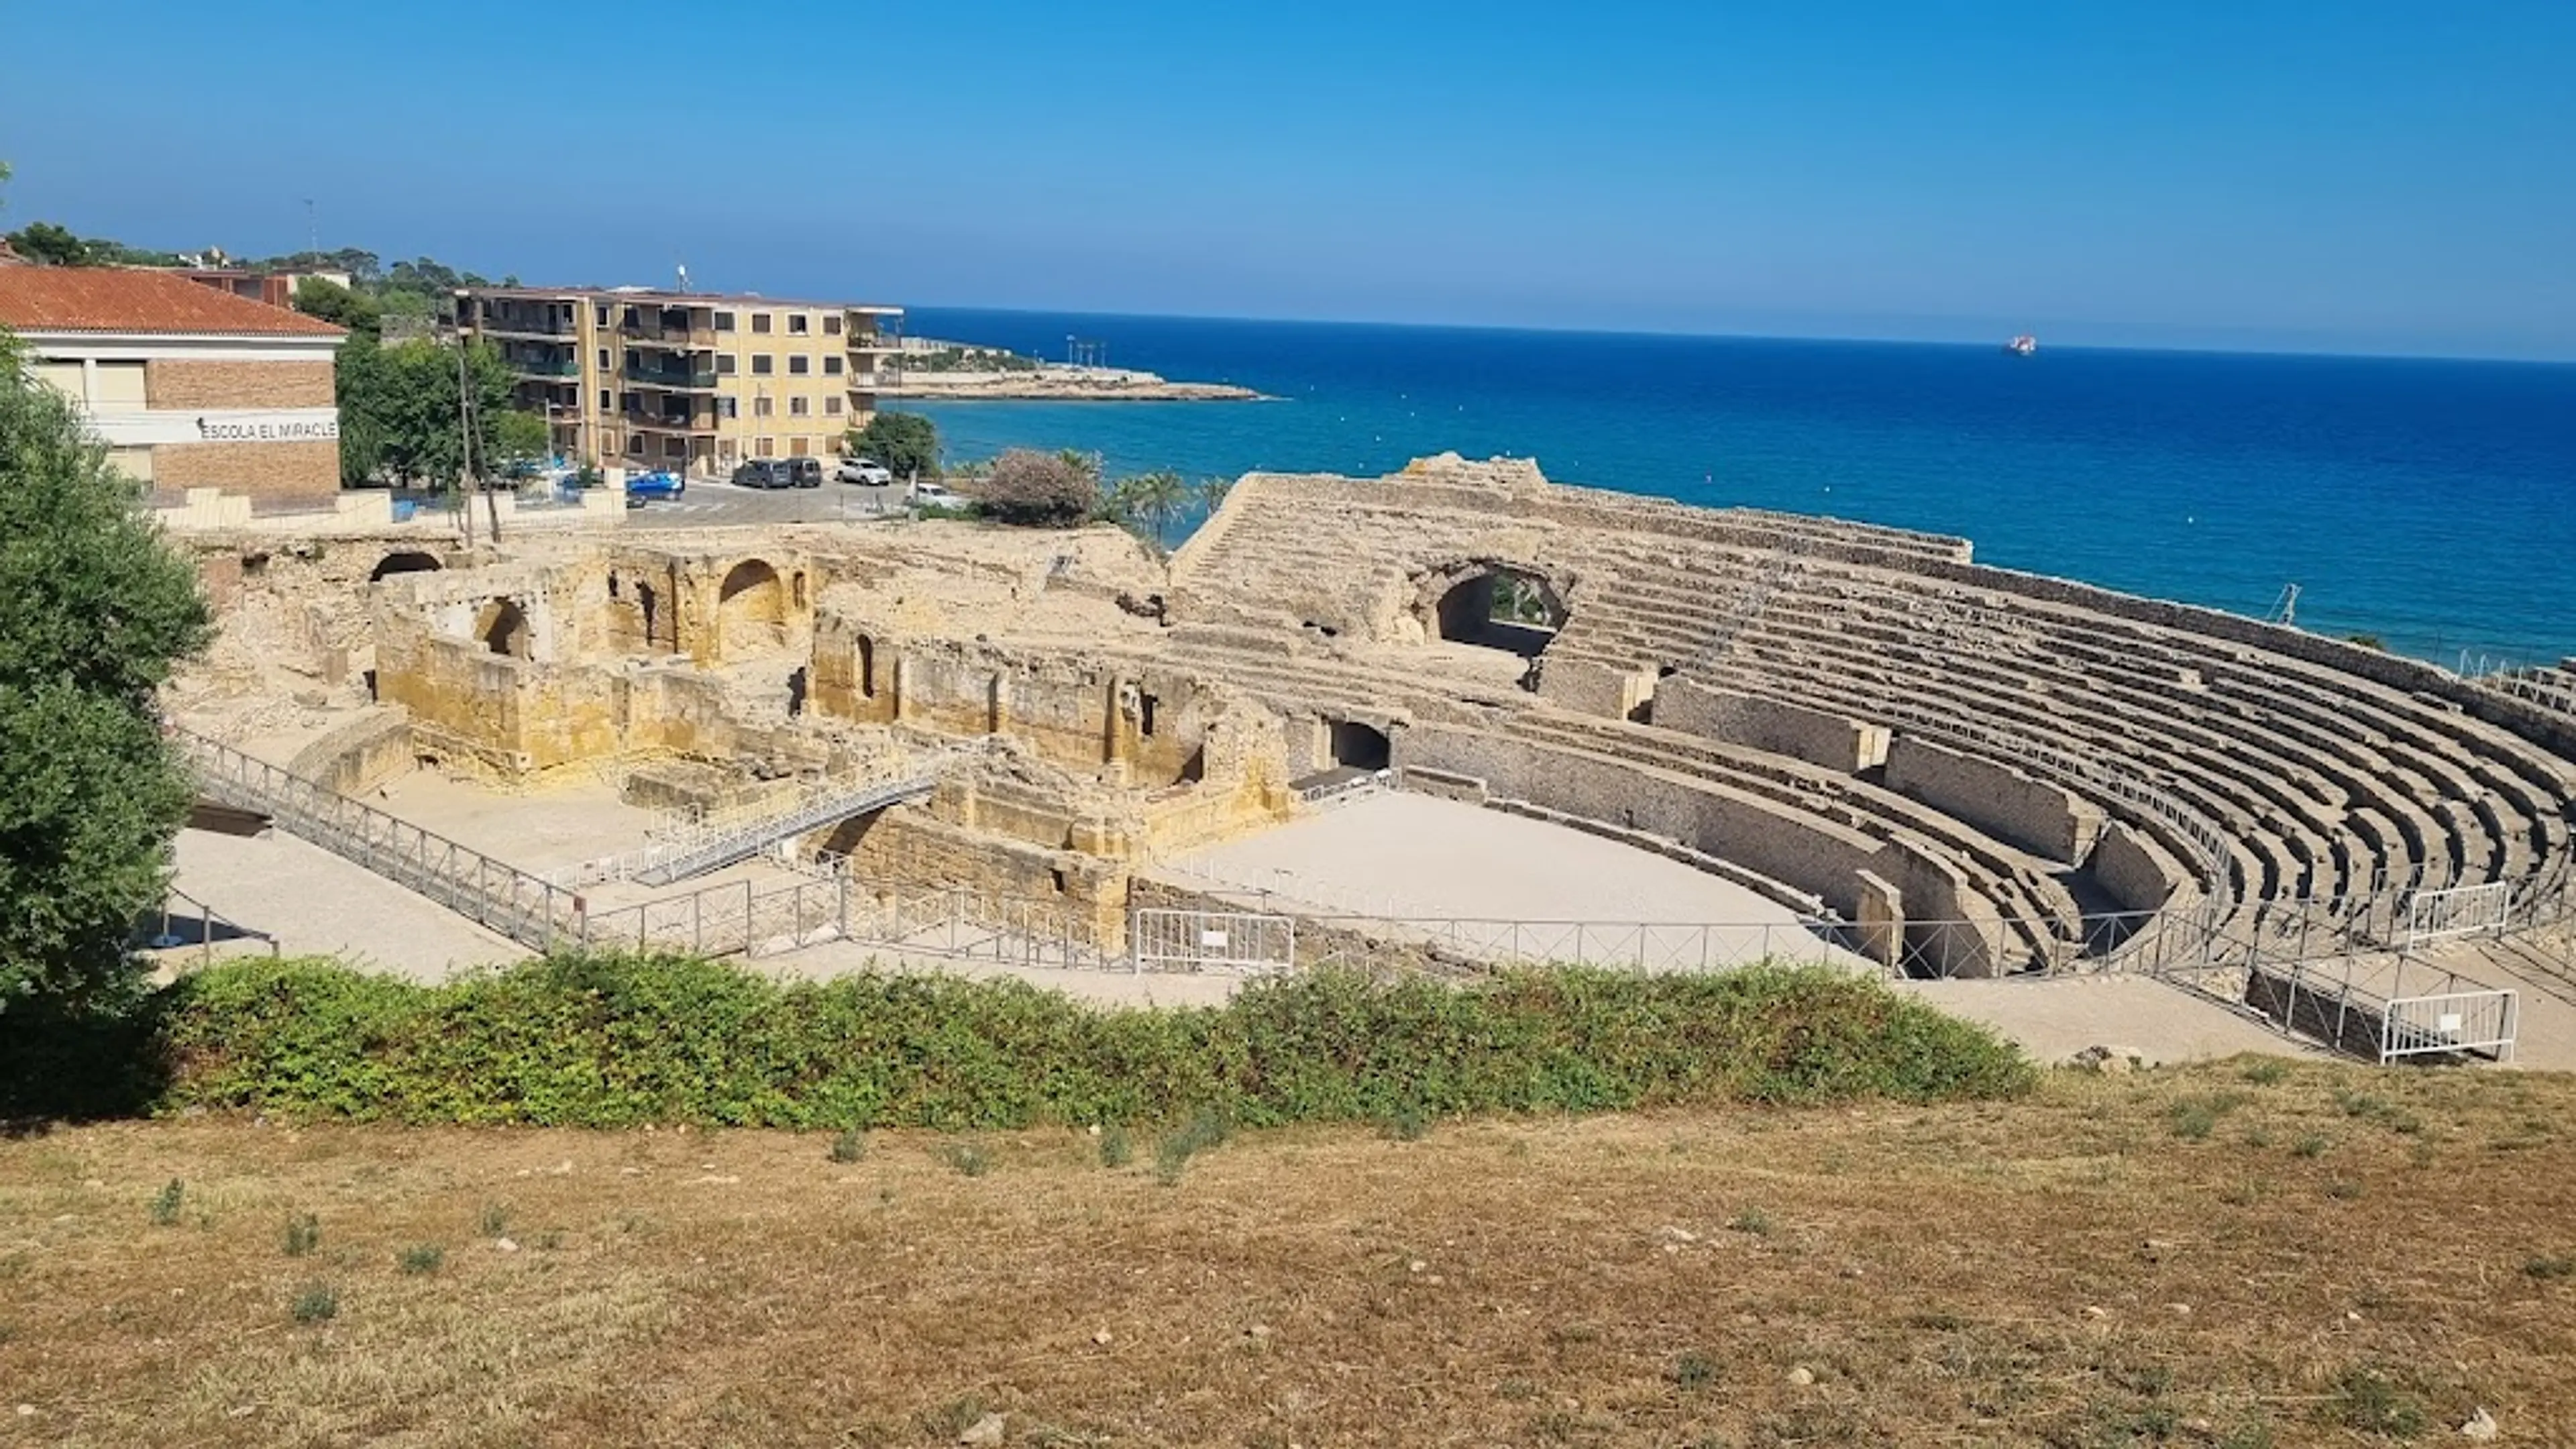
661 483
933 494
864 470
802 472
763 473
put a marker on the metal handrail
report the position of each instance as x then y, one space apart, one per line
526 908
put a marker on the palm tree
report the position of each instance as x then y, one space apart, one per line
1212 493
1156 496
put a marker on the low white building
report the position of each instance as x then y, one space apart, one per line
190 386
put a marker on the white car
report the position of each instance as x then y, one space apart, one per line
863 470
933 493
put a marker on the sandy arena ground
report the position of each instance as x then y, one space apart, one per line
1417 856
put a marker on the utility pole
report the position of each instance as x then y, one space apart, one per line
312 232
465 445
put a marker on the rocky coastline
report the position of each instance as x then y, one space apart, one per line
1058 383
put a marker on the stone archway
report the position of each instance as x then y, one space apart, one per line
1495 606
502 628
403 561
751 610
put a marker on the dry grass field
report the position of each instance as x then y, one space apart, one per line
2241 1254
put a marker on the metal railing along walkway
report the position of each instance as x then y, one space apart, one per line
837 802
495 894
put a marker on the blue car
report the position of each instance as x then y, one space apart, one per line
663 483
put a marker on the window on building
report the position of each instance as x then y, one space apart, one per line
798 407
831 324
760 407
798 364
603 315
635 445
798 447
798 324
630 318
725 406
724 364
724 321
832 365
603 359
627 401
675 447
118 387
762 364
607 404
64 378
768 448
759 321
832 406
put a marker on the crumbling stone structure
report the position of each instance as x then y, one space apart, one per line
1958 761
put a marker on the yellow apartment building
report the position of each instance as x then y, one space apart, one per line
685 380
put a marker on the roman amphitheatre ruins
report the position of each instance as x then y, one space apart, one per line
1455 716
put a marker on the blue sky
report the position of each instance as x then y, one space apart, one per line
2347 176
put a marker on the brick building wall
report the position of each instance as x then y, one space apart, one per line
306 472
175 383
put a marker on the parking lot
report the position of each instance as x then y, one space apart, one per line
704 503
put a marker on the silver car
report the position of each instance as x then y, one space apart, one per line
863 470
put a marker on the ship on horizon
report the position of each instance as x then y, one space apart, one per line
2022 346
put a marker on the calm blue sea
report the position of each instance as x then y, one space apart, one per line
2431 503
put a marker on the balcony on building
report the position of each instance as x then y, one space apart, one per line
524 317
651 324
673 372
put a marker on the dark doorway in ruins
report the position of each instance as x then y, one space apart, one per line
644 598
1360 747
1495 608
406 561
503 628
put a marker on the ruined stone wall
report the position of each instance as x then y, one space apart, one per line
355 757
2133 873
1757 722
2045 819
1807 854
908 845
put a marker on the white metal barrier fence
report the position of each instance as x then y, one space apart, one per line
2471 1023
1241 942
2460 911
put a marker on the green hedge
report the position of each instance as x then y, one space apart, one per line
608 1041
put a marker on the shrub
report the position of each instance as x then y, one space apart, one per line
1038 490
1115 1149
966 1159
1205 1129
165 1203
2366 1401
620 1041
421 1259
849 1146
496 1220
303 1235
315 1303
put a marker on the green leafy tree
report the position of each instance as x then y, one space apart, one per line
95 609
51 244
521 437
907 443
400 403
340 307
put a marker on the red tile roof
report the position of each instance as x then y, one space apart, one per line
122 299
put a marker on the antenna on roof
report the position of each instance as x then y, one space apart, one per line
684 276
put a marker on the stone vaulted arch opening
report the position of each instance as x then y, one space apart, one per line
1495 606
502 628
751 610
403 561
